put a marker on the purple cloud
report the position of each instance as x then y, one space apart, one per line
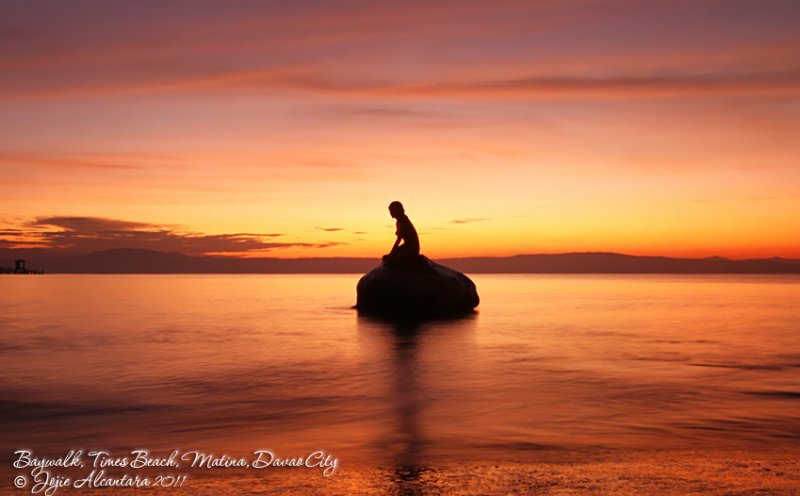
72 234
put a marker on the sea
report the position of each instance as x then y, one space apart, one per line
229 364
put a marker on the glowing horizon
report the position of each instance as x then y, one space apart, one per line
511 127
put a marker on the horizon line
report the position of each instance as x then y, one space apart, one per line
377 257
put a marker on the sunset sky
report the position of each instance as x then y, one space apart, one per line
284 129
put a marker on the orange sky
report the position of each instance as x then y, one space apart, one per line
506 127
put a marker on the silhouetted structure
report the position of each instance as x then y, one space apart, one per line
409 285
19 268
406 233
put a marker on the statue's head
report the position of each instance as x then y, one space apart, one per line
396 209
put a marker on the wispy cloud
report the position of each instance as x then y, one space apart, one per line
437 48
73 234
622 86
535 87
468 220
89 225
85 162
752 198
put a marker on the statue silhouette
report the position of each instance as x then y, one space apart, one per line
408 285
406 246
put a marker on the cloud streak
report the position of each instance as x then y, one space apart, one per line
625 86
441 49
534 87
73 234
28 160
468 220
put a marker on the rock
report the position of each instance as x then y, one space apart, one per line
413 288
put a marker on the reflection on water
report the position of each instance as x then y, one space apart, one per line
404 339
234 363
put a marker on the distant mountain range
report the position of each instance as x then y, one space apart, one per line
135 261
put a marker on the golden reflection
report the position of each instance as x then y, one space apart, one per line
409 394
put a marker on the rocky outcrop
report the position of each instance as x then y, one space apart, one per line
416 287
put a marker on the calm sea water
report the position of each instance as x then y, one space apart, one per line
239 362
